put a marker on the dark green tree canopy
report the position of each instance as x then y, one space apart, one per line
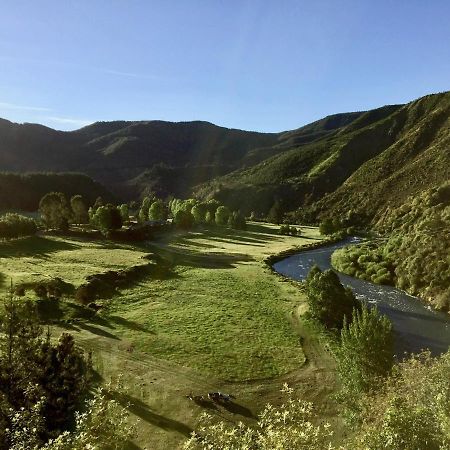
329 301
55 211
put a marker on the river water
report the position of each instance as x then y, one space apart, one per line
417 326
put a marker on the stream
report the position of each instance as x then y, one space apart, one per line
417 326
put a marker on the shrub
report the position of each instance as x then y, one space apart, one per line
14 226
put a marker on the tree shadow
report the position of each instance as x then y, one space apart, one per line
129 445
33 246
96 330
128 324
235 408
191 258
140 409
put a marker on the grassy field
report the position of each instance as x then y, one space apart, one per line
213 318
42 258
220 309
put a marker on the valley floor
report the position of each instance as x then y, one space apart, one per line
216 318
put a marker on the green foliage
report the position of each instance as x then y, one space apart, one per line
415 256
368 262
107 218
157 211
54 210
237 221
275 214
15 226
35 371
289 230
184 219
103 425
79 209
329 226
222 215
199 212
124 212
291 426
329 302
366 350
209 218
410 410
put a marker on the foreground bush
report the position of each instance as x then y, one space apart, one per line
103 425
411 409
291 426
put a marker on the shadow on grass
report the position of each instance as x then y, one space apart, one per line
33 246
128 324
131 446
140 409
191 258
235 408
96 330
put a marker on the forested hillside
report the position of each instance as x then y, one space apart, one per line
23 192
121 155
381 157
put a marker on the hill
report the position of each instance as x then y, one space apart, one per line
362 161
378 159
117 153
23 191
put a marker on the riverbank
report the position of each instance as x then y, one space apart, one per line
416 326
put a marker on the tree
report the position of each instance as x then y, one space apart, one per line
209 218
157 211
98 202
366 351
275 214
237 221
143 211
183 219
199 212
329 226
124 213
329 302
79 209
222 215
54 211
34 371
107 218
103 424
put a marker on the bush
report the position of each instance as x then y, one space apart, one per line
14 226
366 350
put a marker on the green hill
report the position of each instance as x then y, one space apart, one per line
377 159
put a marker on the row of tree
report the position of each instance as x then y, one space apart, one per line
57 213
186 213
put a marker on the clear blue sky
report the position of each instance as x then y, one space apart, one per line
258 65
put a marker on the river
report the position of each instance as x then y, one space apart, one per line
416 325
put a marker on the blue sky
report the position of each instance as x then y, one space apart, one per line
257 65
